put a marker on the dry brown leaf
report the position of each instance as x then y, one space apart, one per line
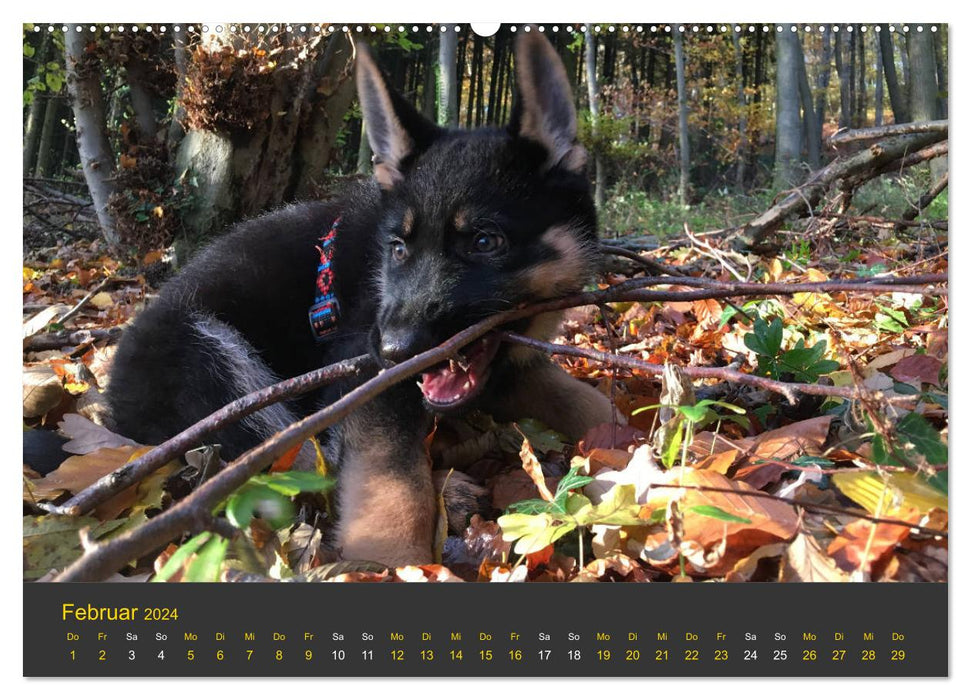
768 520
862 543
532 467
920 368
803 437
806 562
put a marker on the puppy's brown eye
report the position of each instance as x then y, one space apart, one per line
485 243
399 251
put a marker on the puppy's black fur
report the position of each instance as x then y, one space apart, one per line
455 226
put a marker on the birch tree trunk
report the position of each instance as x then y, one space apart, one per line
448 108
923 84
788 126
87 102
593 95
740 151
683 142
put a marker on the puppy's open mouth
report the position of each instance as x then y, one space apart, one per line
455 382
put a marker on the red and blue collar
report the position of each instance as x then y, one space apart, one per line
325 311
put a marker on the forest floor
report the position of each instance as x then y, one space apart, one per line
711 480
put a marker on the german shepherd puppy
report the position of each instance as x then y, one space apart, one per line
455 225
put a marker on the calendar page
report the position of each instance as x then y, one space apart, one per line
564 325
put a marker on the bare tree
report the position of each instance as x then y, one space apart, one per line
84 86
788 125
898 102
593 94
684 145
448 98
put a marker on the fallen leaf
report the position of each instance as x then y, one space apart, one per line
101 301
898 491
87 436
863 543
920 368
532 467
806 562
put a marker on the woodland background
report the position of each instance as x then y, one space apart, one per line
773 203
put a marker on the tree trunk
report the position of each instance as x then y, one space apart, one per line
861 86
941 71
878 92
141 100
593 95
32 127
447 88
923 85
429 83
683 141
742 111
788 131
843 72
45 149
809 118
822 78
84 86
498 55
898 103
332 95
177 125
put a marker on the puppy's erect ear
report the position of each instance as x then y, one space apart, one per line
395 130
544 111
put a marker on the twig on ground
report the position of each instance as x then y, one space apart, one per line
808 505
194 512
87 297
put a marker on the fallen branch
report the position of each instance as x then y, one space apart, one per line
194 512
808 505
87 297
788 389
863 165
645 262
878 132
145 465
60 339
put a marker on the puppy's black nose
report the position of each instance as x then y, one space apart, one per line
400 344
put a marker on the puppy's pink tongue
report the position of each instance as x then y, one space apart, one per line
448 384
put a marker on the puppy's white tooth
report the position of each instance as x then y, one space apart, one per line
452 365
467 386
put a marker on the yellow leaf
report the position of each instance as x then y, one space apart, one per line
904 491
101 300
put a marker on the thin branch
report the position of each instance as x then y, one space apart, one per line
87 297
645 262
193 513
174 447
787 389
808 505
60 339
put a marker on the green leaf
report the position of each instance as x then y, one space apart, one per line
291 483
533 532
29 50
180 556
811 461
718 514
925 437
54 81
673 448
207 564
259 500
939 481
